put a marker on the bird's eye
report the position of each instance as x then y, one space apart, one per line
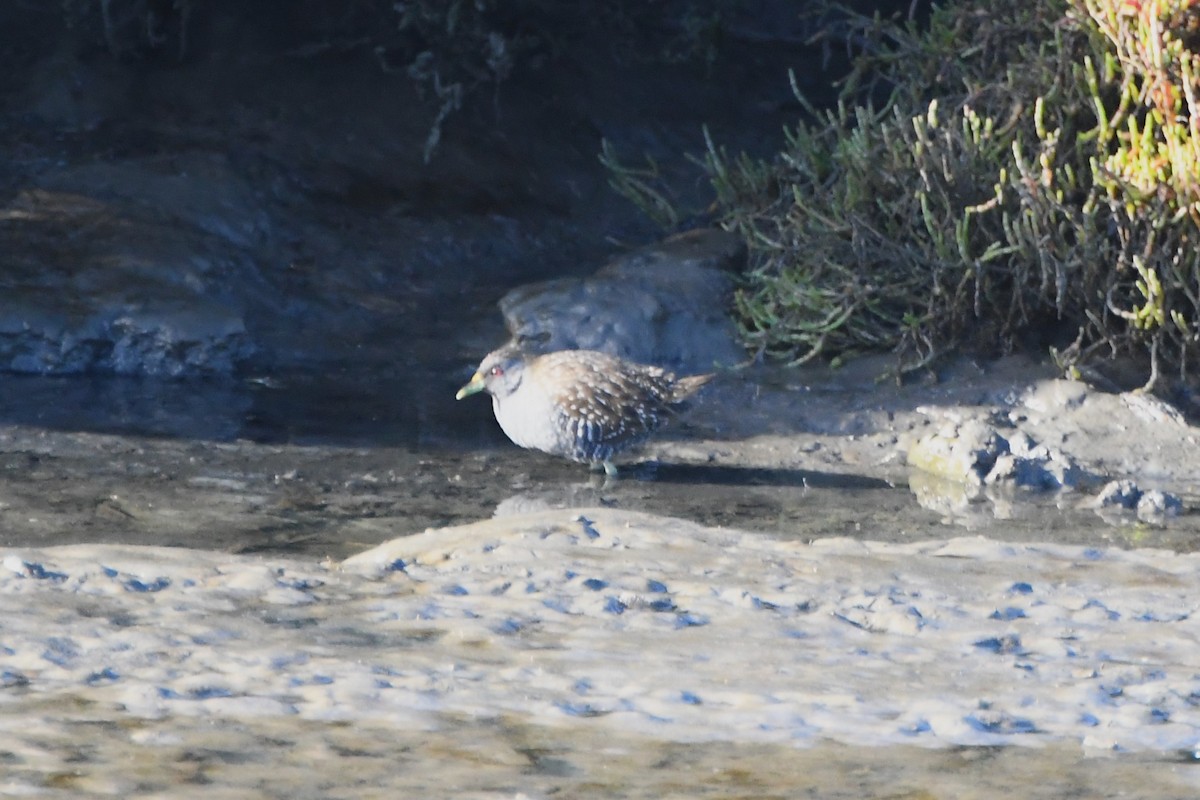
496 371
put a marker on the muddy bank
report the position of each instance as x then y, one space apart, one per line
511 649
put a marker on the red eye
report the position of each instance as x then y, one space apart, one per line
496 371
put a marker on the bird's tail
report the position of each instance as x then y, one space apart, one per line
687 386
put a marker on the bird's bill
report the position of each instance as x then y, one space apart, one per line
474 386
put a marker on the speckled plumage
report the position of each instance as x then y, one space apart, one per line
580 404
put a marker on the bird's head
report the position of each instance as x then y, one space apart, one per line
499 374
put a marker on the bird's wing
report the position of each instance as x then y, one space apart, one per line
611 405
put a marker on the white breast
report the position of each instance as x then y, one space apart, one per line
528 418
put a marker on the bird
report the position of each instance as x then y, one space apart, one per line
583 405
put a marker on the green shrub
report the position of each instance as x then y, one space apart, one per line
1034 165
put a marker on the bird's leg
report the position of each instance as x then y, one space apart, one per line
610 469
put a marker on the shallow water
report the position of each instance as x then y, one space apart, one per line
328 466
